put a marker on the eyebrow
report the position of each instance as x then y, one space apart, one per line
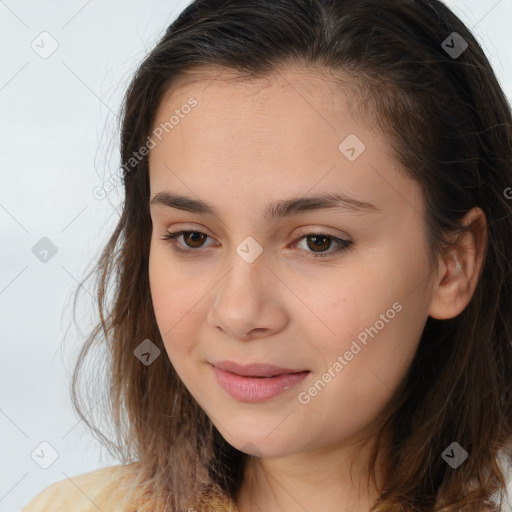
274 211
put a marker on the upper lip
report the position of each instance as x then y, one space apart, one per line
254 369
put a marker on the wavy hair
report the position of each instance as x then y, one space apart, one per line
449 124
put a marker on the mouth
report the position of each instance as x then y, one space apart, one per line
257 382
256 370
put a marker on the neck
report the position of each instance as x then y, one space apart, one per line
320 480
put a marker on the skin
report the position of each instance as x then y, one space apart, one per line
248 143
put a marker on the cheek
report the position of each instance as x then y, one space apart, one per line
379 349
372 318
176 300
170 291
162 289
362 367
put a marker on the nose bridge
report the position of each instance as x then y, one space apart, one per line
242 302
248 270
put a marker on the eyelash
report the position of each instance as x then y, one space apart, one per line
171 236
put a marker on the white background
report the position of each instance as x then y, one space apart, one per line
58 142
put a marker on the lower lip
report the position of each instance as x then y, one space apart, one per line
251 389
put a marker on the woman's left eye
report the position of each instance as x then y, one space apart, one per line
319 241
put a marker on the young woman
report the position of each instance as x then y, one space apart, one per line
311 277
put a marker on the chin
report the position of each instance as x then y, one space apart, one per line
257 442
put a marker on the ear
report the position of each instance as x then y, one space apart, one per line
459 270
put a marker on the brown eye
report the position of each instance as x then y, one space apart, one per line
320 242
193 238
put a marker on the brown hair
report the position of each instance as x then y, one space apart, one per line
450 126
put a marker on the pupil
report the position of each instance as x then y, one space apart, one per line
319 245
195 235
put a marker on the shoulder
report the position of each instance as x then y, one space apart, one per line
504 496
101 489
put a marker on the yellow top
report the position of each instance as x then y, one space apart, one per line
108 490
89 492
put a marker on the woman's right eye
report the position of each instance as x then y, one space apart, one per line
195 237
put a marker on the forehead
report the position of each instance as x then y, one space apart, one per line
287 77
284 114
278 136
314 96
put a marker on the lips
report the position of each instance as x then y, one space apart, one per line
256 382
256 370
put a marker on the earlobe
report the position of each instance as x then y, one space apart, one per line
460 269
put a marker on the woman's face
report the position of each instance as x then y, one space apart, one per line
255 288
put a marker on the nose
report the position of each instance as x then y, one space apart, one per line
248 301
